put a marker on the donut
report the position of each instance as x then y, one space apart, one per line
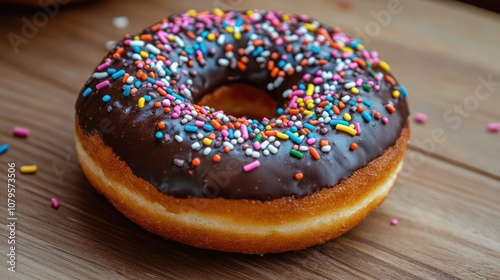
242 131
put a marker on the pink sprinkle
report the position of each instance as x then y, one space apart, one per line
244 131
420 117
493 127
54 202
21 132
199 123
251 166
103 66
102 84
317 80
357 128
224 133
311 141
256 145
394 222
385 120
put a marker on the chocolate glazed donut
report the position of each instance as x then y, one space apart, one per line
298 111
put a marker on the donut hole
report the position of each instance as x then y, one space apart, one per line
241 100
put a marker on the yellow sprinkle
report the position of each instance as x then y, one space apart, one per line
395 94
250 13
136 38
191 13
282 136
310 27
347 117
218 12
211 37
171 38
310 89
140 103
347 50
307 112
237 36
229 29
144 54
351 126
355 90
347 129
300 100
384 66
207 142
29 169
361 47
310 105
285 17
268 127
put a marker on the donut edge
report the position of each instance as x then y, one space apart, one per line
243 226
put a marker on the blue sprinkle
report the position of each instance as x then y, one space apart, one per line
294 129
293 137
112 70
249 128
151 80
302 86
261 127
168 72
205 33
328 107
310 135
87 92
280 111
403 91
224 24
126 90
152 56
231 133
118 74
147 98
331 112
178 96
366 116
208 127
335 122
159 135
203 48
367 102
315 50
3 148
352 103
106 98
191 128
239 21
329 98
258 51
354 44
336 101
136 49
281 64
137 84
169 90
189 50
309 126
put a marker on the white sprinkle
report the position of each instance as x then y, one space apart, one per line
179 41
120 22
195 145
152 49
346 98
265 152
109 44
184 121
174 66
273 149
241 140
138 43
221 39
207 151
237 134
255 154
264 144
350 85
248 152
100 75
223 62
200 136
178 138
130 80
271 139
136 56
234 141
227 144
326 148
303 148
277 143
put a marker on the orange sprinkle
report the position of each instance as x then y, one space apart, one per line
274 72
314 153
216 157
377 115
360 62
303 62
336 110
156 27
314 122
157 104
161 125
342 74
242 66
360 109
323 62
298 176
294 111
166 110
211 136
125 77
341 105
146 37
133 91
244 59
354 146
228 48
161 91
258 42
323 142
116 55
390 108
274 55
215 124
290 71
191 35
190 63
227 149
195 161
241 51
289 48
161 57
270 65
271 133
390 79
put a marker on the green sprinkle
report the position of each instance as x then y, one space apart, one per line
258 138
296 154
367 87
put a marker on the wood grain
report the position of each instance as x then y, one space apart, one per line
447 200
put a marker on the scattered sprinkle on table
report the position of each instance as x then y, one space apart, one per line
55 203
394 222
21 132
29 169
120 22
493 127
420 117
3 148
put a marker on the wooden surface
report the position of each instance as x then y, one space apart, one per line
447 200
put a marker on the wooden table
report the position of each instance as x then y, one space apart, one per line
447 200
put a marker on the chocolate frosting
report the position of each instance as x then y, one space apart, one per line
157 156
